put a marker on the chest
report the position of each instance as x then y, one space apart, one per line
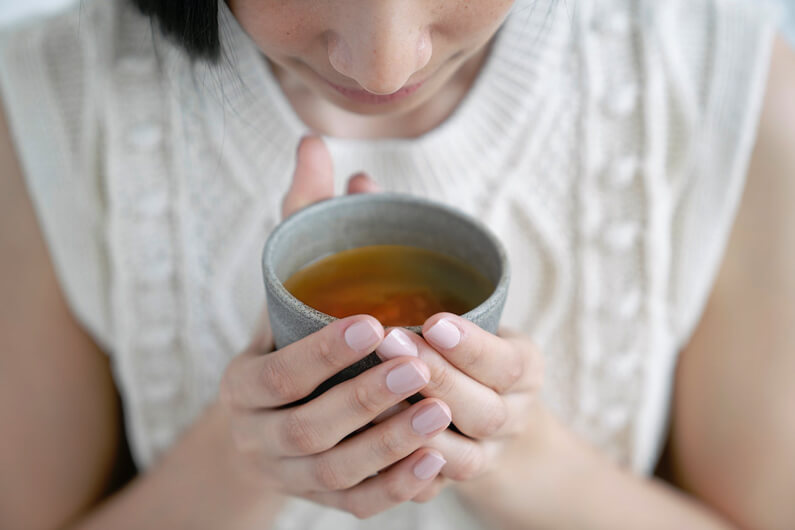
195 187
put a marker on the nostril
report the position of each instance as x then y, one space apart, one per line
424 51
339 54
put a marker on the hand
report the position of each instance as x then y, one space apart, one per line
306 450
490 383
313 450
313 180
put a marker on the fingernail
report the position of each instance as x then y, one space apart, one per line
444 333
430 419
406 378
362 335
429 466
397 344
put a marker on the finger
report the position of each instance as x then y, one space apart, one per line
362 183
478 411
494 361
520 413
532 377
399 484
253 380
432 490
391 411
370 451
395 345
320 424
520 407
466 458
313 179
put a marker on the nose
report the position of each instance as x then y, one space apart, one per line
379 46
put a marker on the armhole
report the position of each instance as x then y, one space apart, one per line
708 203
65 191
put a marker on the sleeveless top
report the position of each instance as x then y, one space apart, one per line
604 141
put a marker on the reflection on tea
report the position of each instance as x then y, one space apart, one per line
399 285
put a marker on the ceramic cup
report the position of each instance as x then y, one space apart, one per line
354 221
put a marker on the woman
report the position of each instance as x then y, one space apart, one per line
606 142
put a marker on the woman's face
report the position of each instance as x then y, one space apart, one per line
371 56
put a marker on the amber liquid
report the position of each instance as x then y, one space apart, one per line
399 285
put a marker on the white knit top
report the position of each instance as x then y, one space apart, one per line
604 141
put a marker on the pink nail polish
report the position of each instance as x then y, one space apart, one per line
430 419
361 336
397 344
429 466
444 334
406 378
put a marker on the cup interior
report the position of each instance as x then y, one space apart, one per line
356 221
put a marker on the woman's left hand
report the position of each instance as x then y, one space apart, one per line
490 383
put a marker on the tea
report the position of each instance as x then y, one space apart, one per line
399 285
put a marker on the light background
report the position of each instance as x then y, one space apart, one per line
16 9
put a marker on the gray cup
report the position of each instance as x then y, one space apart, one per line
354 221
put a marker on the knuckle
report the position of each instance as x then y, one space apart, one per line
391 444
442 382
365 400
515 367
359 509
361 513
396 491
325 354
327 476
429 493
471 463
469 358
276 379
299 436
494 419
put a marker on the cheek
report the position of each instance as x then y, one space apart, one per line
277 26
470 21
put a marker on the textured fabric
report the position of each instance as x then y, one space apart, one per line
605 142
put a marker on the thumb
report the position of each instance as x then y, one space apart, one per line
362 183
313 180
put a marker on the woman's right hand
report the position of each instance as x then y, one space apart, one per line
305 450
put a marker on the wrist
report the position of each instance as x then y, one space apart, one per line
196 484
223 477
536 471
553 479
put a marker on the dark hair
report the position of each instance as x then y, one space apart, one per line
193 24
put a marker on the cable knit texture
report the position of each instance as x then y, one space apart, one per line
605 142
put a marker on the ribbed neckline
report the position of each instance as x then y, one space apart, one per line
481 128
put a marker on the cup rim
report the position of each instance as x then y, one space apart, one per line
278 288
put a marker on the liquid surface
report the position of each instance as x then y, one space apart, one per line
399 285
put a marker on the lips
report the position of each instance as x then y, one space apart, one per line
362 96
